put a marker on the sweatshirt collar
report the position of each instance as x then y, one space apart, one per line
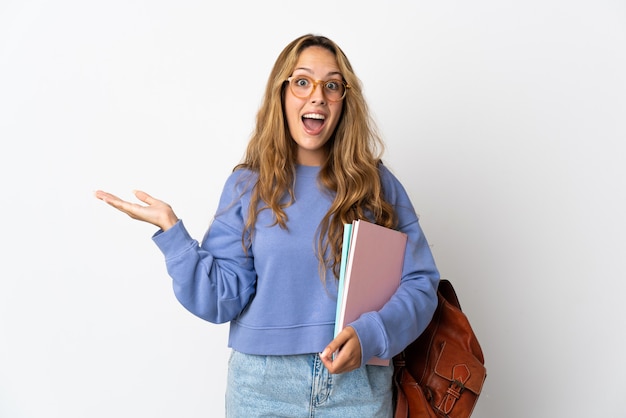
307 170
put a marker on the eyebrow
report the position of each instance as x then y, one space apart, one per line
308 70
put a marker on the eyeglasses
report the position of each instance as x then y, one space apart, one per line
303 87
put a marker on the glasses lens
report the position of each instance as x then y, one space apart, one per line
334 89
301 86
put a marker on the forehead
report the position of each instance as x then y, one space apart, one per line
316 59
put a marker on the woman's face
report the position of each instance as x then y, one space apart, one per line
313 120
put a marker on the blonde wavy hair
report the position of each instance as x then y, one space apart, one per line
350 173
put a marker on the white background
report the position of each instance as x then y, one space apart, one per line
506 122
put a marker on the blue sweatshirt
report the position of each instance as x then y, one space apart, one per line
272 294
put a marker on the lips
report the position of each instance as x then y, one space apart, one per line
313 122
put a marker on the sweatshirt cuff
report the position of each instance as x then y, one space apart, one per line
171 242
370 332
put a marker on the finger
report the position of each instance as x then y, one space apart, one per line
336 354
328 355
348 358
144 197
327 359
104 196
117 203
333 348
112 200
340 362
124 206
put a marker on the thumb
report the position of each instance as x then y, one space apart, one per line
335 345
144 197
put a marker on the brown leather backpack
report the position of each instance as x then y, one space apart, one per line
441 373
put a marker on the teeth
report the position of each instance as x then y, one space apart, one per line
314 116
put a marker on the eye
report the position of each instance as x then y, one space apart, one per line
302 82
333 85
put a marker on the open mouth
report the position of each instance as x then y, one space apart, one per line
313 122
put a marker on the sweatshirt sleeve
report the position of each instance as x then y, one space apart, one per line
214 280
387 332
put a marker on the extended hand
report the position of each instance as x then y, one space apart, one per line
348 349
156 212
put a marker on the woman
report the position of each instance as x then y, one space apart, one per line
269 262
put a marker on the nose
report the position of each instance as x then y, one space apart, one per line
317 95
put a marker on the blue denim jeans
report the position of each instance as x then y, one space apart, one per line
300 386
